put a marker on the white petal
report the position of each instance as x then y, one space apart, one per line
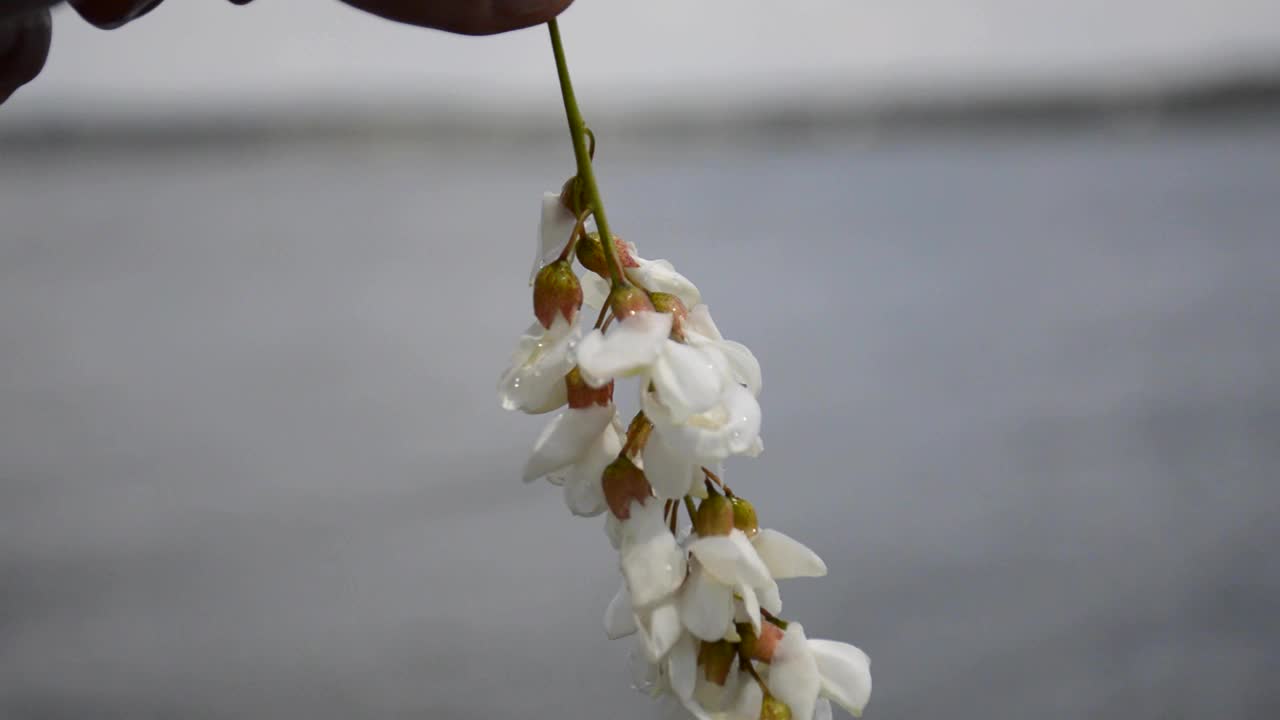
730 428
771 599
595 290
750 606
787 558
534 383
845 673
659 628
731 560
822 710
630 346
718 555
749 701
706 606
553 231
693 708
566 439
613 530
699 321
718 699
619 618
661 276
687 380
652 561
743 365
682 667
670 474
583 493
644 673
793 673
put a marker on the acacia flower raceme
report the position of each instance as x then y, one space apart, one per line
698 575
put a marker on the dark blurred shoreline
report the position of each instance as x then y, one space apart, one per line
1239 96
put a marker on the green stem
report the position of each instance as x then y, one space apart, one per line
578 131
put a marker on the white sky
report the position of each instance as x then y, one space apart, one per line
196 55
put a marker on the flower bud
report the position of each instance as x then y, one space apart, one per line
771 708
573 196
627 300
760 647
623 482
668 303
714 517
744 516
591 254
582 395
717 660
556 290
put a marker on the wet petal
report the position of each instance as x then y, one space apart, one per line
619 618
583 493
659 629
750 607
699 321
793 673
566 439
743 365
553 231
787 558
613 530
661 276
534 382
595 290
771 599
845 673
670 474
731 560
687 380
706 606
730 428
652 562
682 667
749 701
630 346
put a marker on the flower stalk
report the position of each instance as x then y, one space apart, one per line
586 174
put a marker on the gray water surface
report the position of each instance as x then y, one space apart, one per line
1022 393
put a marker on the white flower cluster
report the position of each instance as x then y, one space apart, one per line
701 598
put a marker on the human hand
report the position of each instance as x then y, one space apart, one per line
25 26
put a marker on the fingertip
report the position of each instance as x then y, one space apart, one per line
24 48
111 14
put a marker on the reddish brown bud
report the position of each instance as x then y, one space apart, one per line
715 517
627 300
774 709
582 395
556 290
623 482
716 660
762 647
744 516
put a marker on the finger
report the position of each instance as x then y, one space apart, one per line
24 46
467 17
15 8
110 14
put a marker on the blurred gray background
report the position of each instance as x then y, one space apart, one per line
1011 269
